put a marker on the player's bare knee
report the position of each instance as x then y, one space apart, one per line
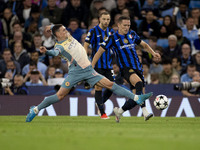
60 96
110 84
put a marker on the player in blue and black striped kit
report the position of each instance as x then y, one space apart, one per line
124 42
95 38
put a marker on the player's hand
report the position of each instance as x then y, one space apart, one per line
43 49
157 55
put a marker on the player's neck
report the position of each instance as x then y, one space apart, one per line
120 32
102 27
61 39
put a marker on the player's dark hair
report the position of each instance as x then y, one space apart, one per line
104 13
123 18
56 29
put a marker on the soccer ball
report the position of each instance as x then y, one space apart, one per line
161 102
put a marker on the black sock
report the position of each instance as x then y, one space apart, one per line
106 95
129 104
98 99
139 87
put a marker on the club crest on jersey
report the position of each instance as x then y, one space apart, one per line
67 83
125 40
130 36
131 70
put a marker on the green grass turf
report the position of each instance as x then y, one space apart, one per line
92 133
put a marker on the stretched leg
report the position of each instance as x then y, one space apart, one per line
139 99
47 102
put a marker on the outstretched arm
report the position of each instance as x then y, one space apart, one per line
149 49
97 56
49 52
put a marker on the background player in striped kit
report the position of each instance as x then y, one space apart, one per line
123 42
95 37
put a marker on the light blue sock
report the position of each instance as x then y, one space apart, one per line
120 91
48 101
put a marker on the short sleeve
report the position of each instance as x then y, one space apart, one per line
107 43
90 36
136 37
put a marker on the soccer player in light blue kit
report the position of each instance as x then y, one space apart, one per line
80 69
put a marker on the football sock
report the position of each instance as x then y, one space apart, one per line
145 112
48 101
121 111
120 91
106 95
98 99
129 104
139 87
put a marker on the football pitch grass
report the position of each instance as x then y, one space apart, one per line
92 133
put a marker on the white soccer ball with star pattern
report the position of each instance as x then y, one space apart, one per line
161 102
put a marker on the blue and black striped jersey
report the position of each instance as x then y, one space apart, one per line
96 36
124 47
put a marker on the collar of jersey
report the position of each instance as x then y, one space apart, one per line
100 28
59 42
122 35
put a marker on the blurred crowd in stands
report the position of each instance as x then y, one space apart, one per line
170 27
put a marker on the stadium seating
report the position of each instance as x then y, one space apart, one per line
167 12
194 4
163 43
138 22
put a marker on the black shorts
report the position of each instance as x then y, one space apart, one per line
127 72
105 72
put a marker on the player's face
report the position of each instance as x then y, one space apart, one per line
105 20
62 33
124 26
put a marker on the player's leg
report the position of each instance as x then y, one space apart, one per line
107 93
129 104
62 92
65 88
99 102
138 88
99 97
139 99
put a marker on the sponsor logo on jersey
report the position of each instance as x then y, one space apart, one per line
131 70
